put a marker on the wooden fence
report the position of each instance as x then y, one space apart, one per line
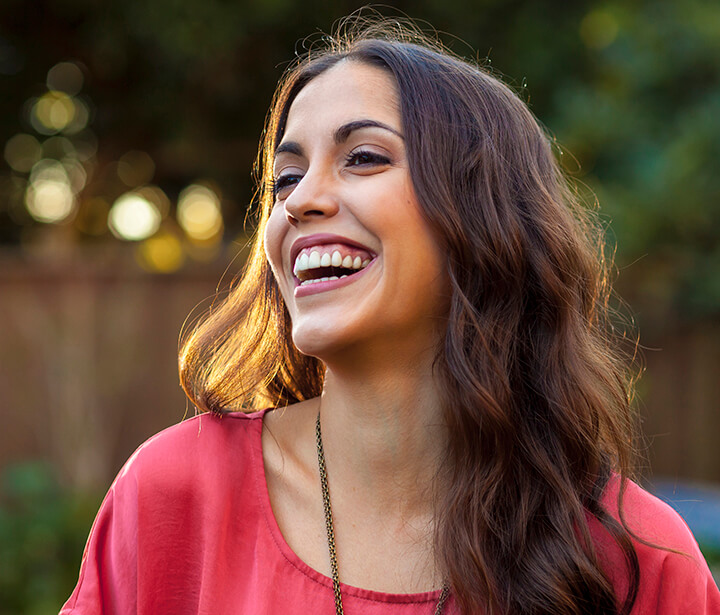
88 356
88 348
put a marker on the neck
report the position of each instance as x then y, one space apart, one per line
383 432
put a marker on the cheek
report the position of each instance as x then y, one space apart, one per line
428 270
274 234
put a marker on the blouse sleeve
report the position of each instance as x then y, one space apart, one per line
155 534
108 573
681 580
686 584
674 576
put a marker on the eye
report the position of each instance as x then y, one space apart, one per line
364 158
283 183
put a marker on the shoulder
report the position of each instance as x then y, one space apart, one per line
170 506
647 517
200 434
194 451
674 577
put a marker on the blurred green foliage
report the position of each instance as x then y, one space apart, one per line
43 530
644 122
630 90
712 555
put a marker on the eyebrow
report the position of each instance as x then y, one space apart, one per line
340 135
343 132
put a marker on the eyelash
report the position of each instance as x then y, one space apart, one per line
283 182
353 159
371 158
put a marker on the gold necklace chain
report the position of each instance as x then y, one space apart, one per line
331 530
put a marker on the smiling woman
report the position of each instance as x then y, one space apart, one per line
410 390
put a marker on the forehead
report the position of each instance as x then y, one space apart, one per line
348 91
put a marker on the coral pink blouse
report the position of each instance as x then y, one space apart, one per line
187 528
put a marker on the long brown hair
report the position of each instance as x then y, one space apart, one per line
536 398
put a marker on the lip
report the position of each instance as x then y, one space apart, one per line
320 239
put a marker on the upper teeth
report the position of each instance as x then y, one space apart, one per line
314 260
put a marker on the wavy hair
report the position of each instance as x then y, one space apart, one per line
536 397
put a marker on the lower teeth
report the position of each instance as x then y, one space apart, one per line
332 277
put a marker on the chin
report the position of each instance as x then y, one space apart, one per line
311 340
320 341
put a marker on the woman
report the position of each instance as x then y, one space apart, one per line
425 309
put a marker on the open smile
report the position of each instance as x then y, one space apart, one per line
322 267
331 261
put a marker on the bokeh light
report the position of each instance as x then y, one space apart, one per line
66 77
22 152
199 213
76 172
157 197
49 196
52 112
80 119
162 253
133 217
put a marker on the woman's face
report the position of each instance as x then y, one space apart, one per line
353 256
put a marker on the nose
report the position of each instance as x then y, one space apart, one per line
313 198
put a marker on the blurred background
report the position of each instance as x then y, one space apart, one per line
128 134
